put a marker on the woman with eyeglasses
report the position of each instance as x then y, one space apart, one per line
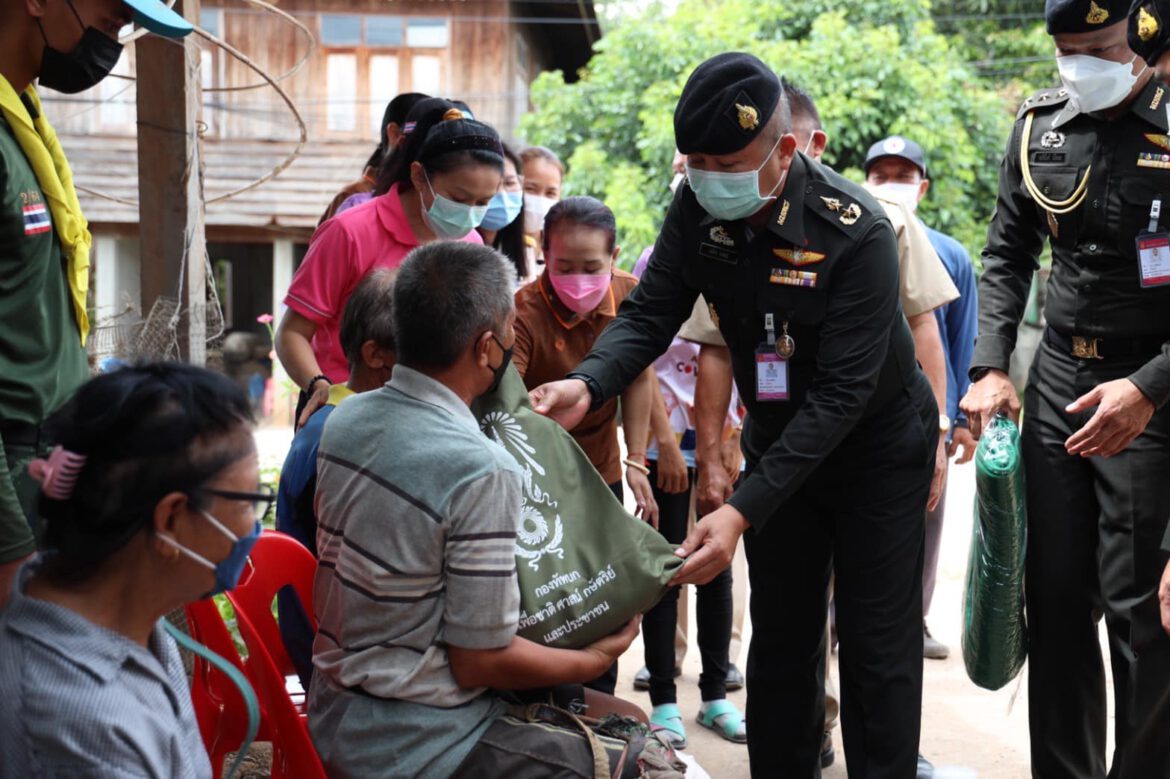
151 500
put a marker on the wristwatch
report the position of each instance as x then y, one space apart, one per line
944 423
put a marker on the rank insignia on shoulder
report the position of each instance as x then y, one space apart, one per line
799 256
851 214
721 236
831 203
1097 14
793 278
1052 139
1161 141
1147 26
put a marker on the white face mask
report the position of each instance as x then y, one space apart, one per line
906 194
536 208
1095 84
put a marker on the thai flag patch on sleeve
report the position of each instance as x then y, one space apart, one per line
36 219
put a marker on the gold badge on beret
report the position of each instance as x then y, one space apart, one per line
1147 26
749 117
1097 14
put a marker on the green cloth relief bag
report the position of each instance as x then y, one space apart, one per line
586 566
994 628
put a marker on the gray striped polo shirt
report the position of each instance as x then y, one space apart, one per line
417 512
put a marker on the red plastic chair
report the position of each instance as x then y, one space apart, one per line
293 754
277 560
219 710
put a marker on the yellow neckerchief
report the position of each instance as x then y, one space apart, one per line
338 393
41 146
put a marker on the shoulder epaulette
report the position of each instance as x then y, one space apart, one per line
1045 98
839 208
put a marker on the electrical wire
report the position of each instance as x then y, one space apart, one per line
278 169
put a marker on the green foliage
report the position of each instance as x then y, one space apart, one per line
874 68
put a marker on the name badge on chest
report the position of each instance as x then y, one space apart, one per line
1153 250
772 363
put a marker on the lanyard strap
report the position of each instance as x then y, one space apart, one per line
237 678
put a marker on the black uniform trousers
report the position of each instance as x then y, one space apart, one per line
1095 530
862 514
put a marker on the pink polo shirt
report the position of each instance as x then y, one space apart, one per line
341 252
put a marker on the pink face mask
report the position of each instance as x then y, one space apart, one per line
580 292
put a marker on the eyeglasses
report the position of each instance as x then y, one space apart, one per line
261 501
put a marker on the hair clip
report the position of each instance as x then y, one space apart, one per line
58 474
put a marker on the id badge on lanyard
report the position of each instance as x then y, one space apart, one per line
772 363
1153 250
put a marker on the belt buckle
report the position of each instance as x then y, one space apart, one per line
1085 348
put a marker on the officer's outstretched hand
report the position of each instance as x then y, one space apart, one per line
986 398
1122 414
709 546
567 401
1164 598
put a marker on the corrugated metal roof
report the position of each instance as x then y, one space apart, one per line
294 199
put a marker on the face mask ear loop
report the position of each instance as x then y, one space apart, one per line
76 16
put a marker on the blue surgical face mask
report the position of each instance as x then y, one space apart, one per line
732 195
449 219
229 569
503 210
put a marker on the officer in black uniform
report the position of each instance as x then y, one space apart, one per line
800 267
1087 168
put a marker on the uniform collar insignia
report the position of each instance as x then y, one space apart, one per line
1157 101
787 216
798 256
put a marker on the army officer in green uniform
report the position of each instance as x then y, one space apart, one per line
801 269
1087 169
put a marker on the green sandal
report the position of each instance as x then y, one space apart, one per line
725 719
668 719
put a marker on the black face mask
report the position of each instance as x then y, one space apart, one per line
502 368
91 60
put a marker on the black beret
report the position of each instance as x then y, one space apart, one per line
1072 16
727 101
1148 35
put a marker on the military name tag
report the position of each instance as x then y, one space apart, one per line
718 253
1049 157
771 375
1154 259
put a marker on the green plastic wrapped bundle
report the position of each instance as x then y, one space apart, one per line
586 566
994 629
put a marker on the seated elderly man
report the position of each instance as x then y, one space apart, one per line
417 512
